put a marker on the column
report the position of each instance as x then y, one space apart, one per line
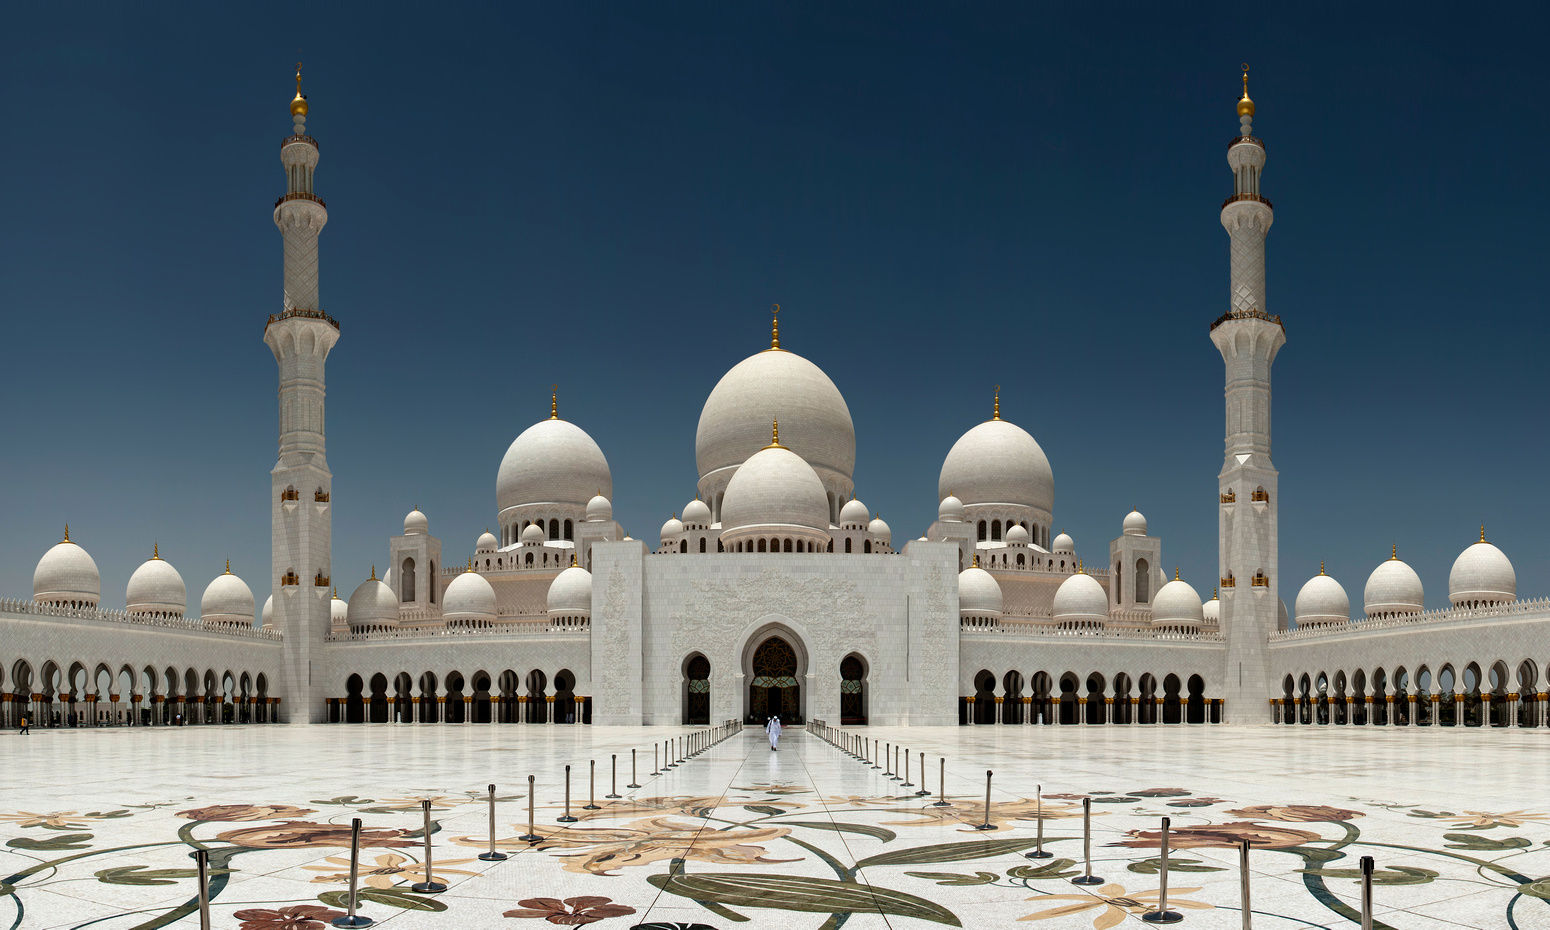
1512 710
1485 710
1000 714
968 702
522 708
1458 708
549 703
468 709
1081 711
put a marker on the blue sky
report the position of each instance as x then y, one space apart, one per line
609 196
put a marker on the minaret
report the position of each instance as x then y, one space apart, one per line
1248 338
300 336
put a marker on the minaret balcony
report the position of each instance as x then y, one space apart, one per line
1247 315
1236 140
308 140
303 314
303 195
1235 198
1231 497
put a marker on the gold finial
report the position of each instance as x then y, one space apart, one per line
1214 590
774 326
1482 533
774 433
373 574
996 410
1394 552
299 104
336 592
554 401
1321 566
155 550
573 560
1245 105
976 561
67 533
1175 573
470 564
1079 569
228 566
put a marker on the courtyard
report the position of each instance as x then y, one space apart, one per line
97 827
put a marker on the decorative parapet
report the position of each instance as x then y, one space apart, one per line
579 628
1247 314
299 313
1437 617
21 606
1251 140
299 137
1231 497
1034 629
300 195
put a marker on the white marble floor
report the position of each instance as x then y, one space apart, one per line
96 828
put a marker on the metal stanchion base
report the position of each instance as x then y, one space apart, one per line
922 793
908 784
942 804
532 837
1087 880
1162 917
566 819
632 785
492 856
613 795
986 826
1038 854
428 887
356 921
591 807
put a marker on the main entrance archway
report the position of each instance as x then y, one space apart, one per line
773 688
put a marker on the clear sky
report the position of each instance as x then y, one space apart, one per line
609 196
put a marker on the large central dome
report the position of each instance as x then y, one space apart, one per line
554 461
997 462
775 384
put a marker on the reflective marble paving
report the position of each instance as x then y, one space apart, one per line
96 827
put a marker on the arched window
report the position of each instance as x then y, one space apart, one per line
866 547
1143 582
702 545
788 546
995 529
1020 560
763 546
847 545
554 528
982 531
683 546
569 531
406 581
529 560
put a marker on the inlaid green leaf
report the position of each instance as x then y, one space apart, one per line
801 893
140 875
68 841
948 852
1539 889
1471 841
1154 865
347 800
389 896
109 815
6 889
765 810
955 878
1054 868
887 836
1398 875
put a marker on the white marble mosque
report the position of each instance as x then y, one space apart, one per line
774 589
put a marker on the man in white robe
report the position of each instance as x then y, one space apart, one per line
773 729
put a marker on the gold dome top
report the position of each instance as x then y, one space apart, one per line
1245 105
299 102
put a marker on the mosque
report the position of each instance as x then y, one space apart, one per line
775 590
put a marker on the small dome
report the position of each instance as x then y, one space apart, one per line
267 618
1063 544
1393 588
468 599
854 514
156 588
950 510
672 529
338 611
416 523
1135 524
696 513
373 604
487 542
979 594
227 600
554 461
571 592
1322 602
66 575
599 510
1176 603
775 487
1212 610
1080 600
533 535
879 529
1482 574
998 462
1017 536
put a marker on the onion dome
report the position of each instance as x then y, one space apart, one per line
775 488
227 601
1017 536
487 542
416 523
1245 105
696 513
1393 589
469 600
299 102
879 529
672 529
1482 575
979 594
599 510
532 535
570 594
1080 601
998 462
950 510
338 611
553 461
1177 604
156 588
267 618
1135 524
373 604
854 515
66 576
1323 602
1212 610
1063 544
735 422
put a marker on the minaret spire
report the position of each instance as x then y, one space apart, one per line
995 409
774 326
554 401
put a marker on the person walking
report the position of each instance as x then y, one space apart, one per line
26 726
773 729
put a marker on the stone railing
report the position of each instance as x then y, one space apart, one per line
300 313
1247 315
1012 626
1438 617
20 606
575 626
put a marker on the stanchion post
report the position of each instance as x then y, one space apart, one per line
613 777
987 825
1243 885
591 804
567 818
655 769
351 919
1038 815
202 860
633 778
530 836
430 885
492 855
941 783
1162 915
907 783
874 755
1367 893
923 793
1087 877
